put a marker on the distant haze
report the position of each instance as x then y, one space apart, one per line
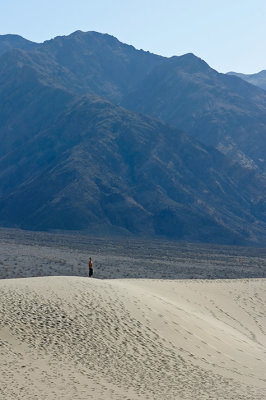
229 36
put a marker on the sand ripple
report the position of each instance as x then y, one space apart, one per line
79 338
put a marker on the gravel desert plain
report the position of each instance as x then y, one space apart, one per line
159 319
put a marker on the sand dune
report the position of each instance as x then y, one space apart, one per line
79 338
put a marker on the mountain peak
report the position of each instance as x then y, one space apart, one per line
191 62
70 161
258 79
10 37
84 35
9 42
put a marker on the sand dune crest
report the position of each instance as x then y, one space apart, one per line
80 338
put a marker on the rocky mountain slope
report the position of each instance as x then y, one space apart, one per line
258 79
220 110
10 42
70 160
91 63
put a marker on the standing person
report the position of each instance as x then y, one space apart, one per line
90 268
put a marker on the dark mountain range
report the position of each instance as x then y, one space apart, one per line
220 110
27 103
10 42
75 161
101 166
92 63
258 79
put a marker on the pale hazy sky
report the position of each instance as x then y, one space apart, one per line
230 35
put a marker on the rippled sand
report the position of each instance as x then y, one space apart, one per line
80 338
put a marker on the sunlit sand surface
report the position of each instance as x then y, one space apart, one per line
81 338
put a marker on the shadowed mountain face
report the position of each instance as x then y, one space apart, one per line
258 79
28 103
220 110
73 161
10 42
92 63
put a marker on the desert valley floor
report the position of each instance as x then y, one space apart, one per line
143 328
